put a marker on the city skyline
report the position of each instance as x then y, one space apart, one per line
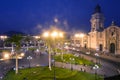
32 16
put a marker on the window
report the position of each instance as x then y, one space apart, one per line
112 34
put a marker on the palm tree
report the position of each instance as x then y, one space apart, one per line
16 40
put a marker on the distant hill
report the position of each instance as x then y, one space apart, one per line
10 33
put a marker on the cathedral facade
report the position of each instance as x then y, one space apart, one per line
100 38
103 39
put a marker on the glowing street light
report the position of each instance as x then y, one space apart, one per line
52 34
36 37
61 34
6 56
22 54
46 34
3 37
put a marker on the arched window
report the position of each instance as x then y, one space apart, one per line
112 33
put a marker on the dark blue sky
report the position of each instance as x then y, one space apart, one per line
33 15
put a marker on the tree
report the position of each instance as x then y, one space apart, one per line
16 40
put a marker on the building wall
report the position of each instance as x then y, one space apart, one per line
113 36
107 40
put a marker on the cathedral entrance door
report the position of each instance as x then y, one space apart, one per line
85 46
112 48
100 47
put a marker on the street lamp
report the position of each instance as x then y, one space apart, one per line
3 37
47 35
29 58
95 68
97 55
71 60
6 56
52 34
22 54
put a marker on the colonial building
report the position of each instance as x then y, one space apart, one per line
99 38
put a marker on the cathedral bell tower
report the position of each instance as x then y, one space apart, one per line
97 20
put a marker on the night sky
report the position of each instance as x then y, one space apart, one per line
31 16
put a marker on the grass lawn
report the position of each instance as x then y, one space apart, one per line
43 73
77 60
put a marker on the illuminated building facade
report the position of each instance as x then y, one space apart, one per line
103 39
100 38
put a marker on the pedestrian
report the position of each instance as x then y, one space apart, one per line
80 69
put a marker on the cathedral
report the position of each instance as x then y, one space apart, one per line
100 38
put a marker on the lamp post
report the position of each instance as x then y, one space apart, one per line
71 66
3 38
97 55
47 35
52 35
61 47
95 68
63 63
29 58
